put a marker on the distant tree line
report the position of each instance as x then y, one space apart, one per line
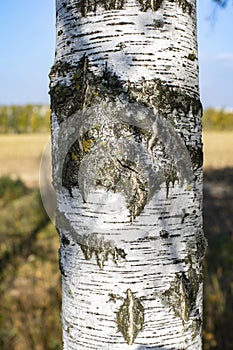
24 119
36 119
217 119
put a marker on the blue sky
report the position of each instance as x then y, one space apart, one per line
27 44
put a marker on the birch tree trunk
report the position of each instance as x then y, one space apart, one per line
127 171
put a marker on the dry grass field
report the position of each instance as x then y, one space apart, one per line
20 155
218 149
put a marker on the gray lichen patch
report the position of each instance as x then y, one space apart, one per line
201 243
181 296
76 87
196 249
158 23
165 98
164 234
82 88
102 249
175 106
134 185
101 158
60 68
130 317
196 325
68 98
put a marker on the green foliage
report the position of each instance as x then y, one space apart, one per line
214 119
24 119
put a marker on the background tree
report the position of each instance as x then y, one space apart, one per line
127 170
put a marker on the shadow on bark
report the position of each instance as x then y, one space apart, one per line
218 227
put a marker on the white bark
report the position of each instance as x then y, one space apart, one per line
130 227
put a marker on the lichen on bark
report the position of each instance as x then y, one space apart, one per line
105 165
130 317
102 249
196 249
181 296
165 98
183 291
77 87
85 89
87 6
91 244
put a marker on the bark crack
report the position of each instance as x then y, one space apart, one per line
130 317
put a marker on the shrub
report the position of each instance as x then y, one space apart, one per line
11 189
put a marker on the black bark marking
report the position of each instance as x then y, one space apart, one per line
61 267
164 234
154 5
186 6
86 6
170 173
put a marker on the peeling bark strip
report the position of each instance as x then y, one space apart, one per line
127 170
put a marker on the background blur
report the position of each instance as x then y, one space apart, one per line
29 273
